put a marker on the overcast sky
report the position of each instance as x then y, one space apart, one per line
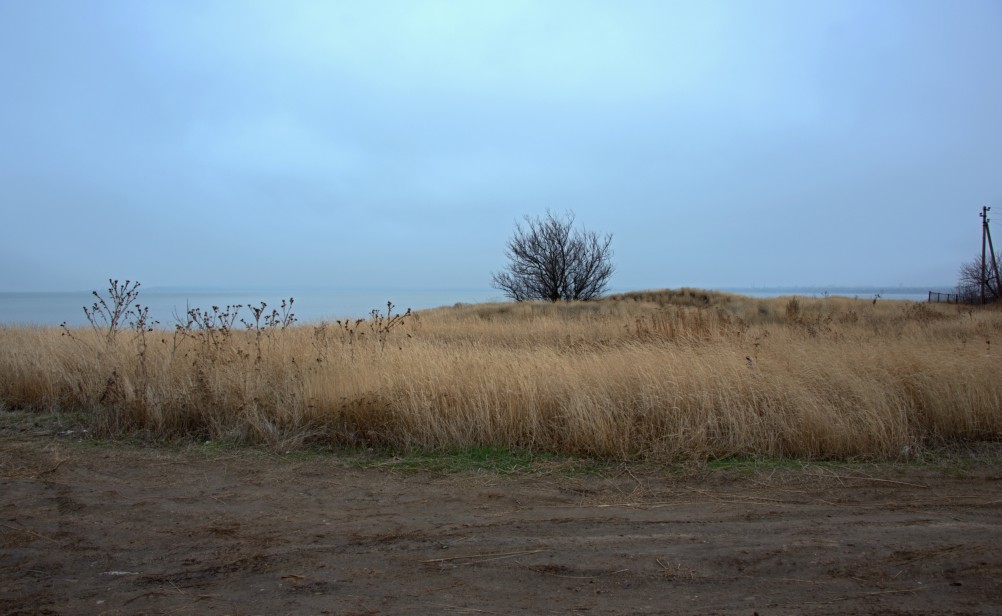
394 144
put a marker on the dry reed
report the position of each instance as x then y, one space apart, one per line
657 376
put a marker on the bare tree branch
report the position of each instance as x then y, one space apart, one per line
969 283
550 260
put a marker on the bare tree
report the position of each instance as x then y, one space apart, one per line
550 260
971 276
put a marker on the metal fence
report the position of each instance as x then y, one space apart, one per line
948 298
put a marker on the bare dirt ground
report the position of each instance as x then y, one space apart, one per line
111 529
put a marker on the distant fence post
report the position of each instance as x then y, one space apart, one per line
949 298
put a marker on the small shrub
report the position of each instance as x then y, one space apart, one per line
793 313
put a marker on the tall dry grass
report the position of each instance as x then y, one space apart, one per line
658 376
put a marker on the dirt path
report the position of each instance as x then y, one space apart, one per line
108 530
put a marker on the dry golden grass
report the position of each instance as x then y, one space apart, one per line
658 375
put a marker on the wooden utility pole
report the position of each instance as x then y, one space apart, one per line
989 269
984 227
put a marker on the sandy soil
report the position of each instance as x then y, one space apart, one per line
121 530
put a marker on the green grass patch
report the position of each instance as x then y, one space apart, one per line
956 459
492 460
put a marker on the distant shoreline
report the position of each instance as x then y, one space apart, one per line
841 290
314 305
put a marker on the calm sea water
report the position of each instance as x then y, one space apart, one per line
168 306
915 294
316 305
